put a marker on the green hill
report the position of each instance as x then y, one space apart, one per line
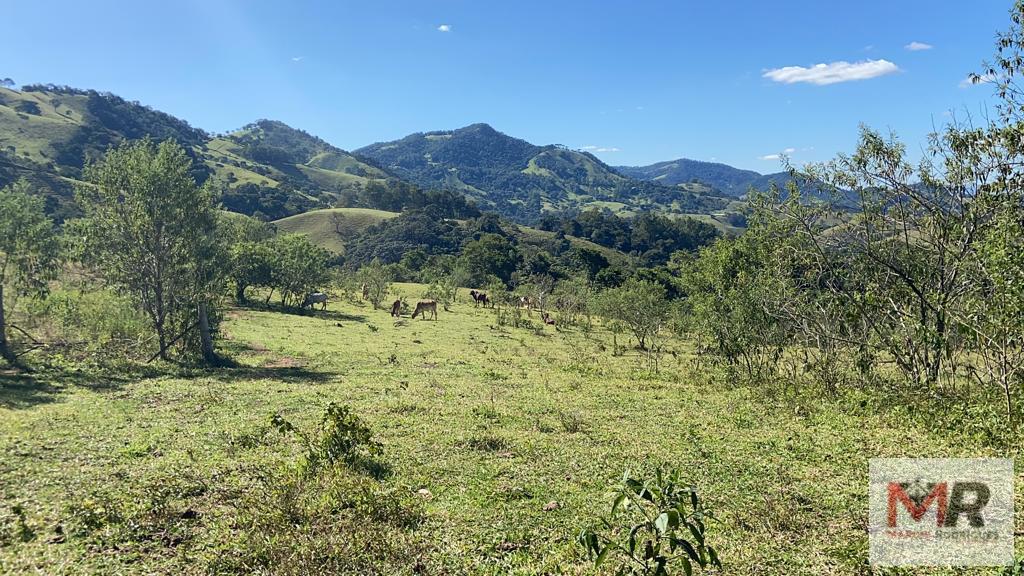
330 228
520 180
266 169
327 228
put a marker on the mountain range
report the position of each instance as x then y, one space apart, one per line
733 182
271 170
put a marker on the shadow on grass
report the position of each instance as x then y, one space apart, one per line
231 372
21 390
310 313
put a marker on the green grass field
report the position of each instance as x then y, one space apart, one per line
148 472
319 225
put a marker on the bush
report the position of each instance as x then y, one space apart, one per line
655 526
99 322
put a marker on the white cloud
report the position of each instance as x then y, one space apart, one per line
297 58
444 28
918 46
600 149
777 156
833 73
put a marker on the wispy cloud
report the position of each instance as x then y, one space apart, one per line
444 28
918 46
298 58
777 156
832 73
601 149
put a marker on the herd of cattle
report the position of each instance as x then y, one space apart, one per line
424 307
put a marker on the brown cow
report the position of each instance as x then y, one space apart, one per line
396 308
424 306
547 318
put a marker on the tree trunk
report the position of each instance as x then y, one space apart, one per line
240 293
162 337
206 341
5 349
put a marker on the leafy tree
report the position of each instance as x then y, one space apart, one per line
640 305
28 251
252 265
490 255
377 279
249 252
150 231
299 267
725 294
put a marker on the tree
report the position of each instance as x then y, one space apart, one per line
299 267
726 289
252 266
250 253
640 305
377 280
490 255
7 83
28 251
151 232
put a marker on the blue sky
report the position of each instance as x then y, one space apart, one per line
634 81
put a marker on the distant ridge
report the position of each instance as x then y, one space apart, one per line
520 180
733 182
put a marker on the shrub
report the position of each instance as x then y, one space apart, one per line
98 322
655 526
341 438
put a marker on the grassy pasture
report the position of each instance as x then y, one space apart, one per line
495 422
318 225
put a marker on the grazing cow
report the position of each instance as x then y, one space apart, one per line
547 318
424 306
480 298
315 298
396 308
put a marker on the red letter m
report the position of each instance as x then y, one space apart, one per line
898 494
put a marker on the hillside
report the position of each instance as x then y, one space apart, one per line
266 169
327 228
519 179
47 133
731 181
330 228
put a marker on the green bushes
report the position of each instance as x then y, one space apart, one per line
97 323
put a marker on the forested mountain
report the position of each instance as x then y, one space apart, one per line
520 180
47 133
731 181
270 170
266 169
